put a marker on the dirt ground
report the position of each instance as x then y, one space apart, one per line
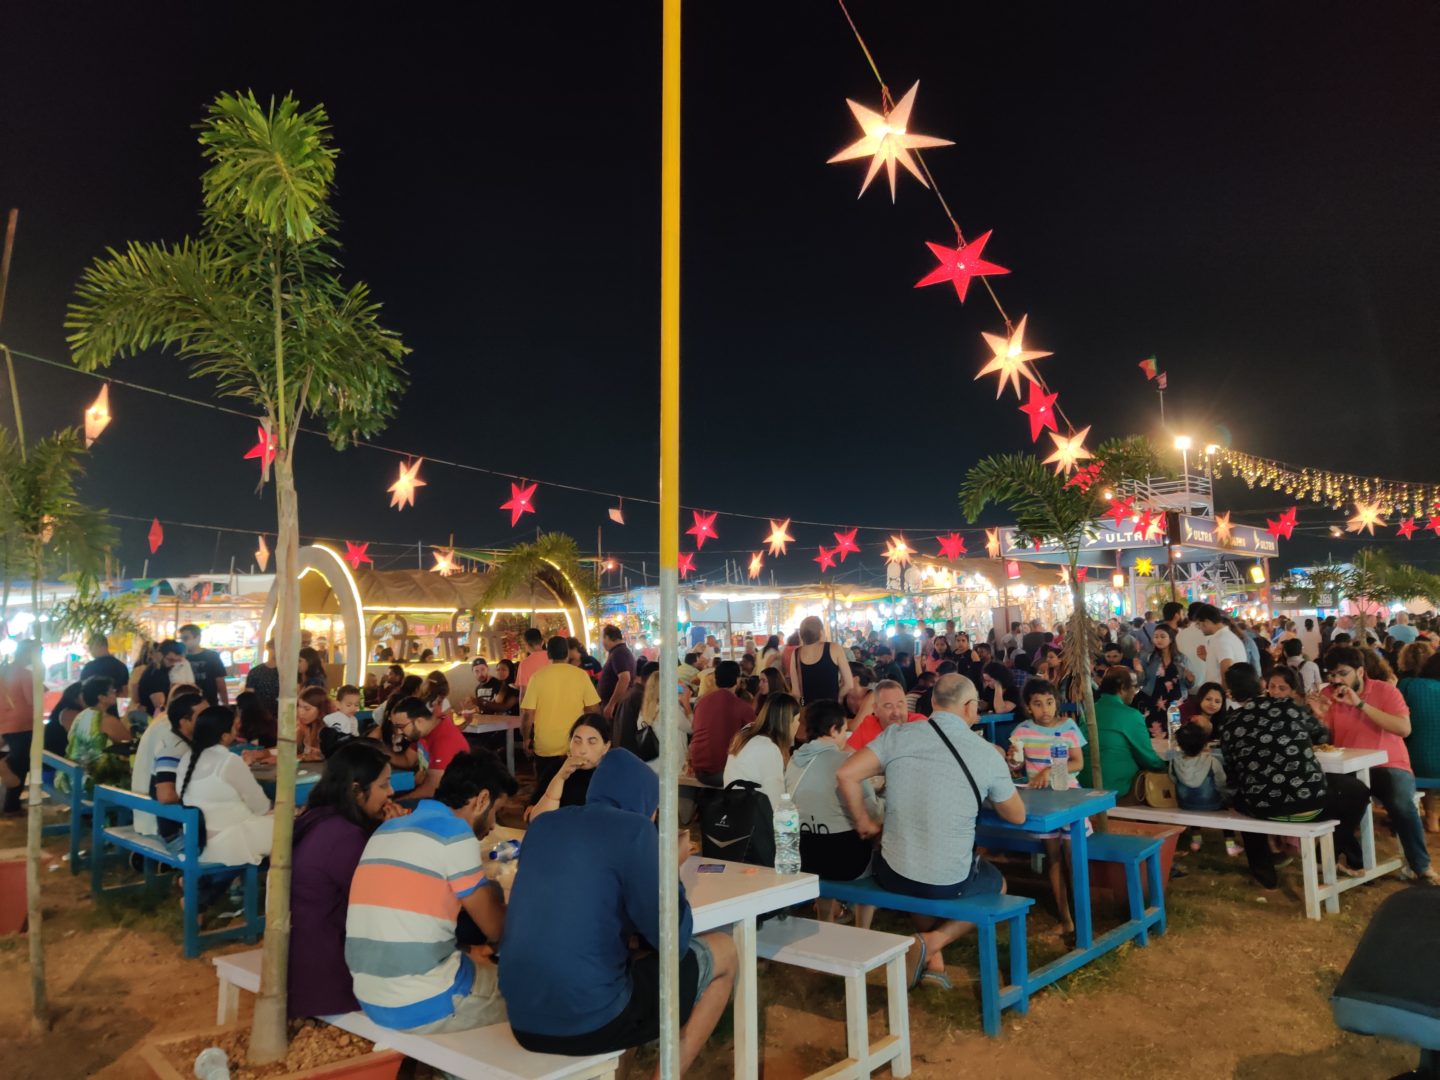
1238 988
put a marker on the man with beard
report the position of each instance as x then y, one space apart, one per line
418 873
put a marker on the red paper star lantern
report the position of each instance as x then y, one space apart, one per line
156 536
265 448
1156 528
1081 573
1283 526
959 265
1406 528
1040 408
521 502
703 529
355 554
826 558
1434 524
1120 509
845 544
685 563
951 546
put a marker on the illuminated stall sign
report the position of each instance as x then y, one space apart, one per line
1101 536
1243 540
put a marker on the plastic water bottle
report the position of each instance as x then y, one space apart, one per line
506 851
212 1064
787 837
1059 765
1172 723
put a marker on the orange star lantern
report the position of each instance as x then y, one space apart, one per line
1011 359
1222 527
887 141
1069 450
262 555
444 563
898 551
992 543
97 416
402 492
1367 516
757 564
779 537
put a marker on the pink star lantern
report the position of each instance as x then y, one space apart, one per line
1283 526
1434 524
845 544
1081 573
886 141
826 558
1040 408
951 546
264 449
703 529
1406 528
522 501
1120 509
355 554
156 536
959 265
685 563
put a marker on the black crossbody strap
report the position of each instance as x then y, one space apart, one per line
979 802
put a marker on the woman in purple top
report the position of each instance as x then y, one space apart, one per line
351 798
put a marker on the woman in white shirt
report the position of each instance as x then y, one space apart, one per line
761 749
238 824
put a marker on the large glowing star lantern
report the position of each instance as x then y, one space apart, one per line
779 537
521 502
97 416
992 543
264 450
703 529
1144 567
1223 527
959 265
262 554
845 544
897 553
887 141
1010 359
1069 450
952 546
826 558
402 492
1367 516
685 563
355 554
444 563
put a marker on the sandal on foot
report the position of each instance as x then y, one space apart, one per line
919 971
939 978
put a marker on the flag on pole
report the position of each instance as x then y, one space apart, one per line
1160 381
1148 366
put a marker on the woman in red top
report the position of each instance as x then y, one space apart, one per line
17 719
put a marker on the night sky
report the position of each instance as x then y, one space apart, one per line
1249 191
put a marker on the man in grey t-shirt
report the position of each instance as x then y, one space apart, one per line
928 844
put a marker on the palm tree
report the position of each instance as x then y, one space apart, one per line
43 524
1373 580
553 559
255 301
1049 507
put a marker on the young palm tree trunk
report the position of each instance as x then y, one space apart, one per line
40 1007
1081 634
269 1037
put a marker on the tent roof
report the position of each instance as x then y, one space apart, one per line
424 589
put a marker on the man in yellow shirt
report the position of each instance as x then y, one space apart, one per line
555 698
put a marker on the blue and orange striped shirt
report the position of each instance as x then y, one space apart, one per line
400 927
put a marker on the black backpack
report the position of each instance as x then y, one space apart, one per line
738 824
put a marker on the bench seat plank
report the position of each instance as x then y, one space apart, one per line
1224 819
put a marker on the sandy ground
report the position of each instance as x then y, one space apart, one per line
1238 988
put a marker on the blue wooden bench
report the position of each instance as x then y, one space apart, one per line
1427 783
986 912
107 801
1134 853
74 799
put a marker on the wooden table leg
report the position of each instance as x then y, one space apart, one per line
1367 824
747 1037
897 997
227 1008
510 749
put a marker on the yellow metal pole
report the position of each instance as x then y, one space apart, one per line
669 539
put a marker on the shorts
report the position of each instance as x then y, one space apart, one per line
639 1021
984 880
481 1007
841 856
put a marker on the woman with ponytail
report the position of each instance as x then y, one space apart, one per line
217 782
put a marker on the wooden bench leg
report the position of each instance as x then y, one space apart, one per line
1327 866
1157 890
1020 963
857 1023
1136 895
227 1008
897 994
989 978
1309 870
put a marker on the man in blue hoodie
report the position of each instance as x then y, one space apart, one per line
588 884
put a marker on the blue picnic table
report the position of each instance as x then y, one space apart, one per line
1048 811
997 727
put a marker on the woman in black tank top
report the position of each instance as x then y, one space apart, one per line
826 677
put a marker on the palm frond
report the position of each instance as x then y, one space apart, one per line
552 558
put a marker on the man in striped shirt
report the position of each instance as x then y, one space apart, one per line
417 874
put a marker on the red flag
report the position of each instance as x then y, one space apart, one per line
1148 367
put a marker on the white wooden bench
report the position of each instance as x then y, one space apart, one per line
487 1053
851 953
1326 890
